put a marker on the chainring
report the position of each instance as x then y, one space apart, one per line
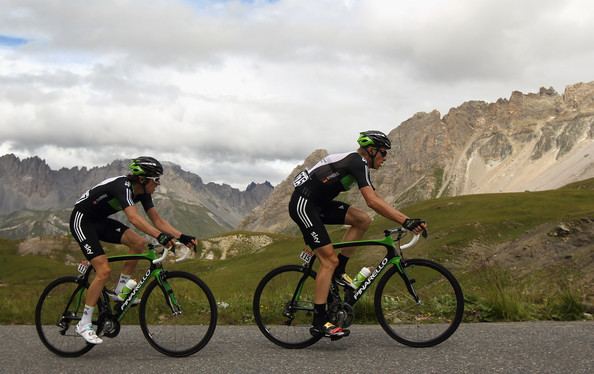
341 314
111 328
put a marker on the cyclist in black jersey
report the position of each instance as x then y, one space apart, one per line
90 223
312 205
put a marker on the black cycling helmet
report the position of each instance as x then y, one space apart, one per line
374 138
145 166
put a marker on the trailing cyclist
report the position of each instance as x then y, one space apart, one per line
90 223
312 205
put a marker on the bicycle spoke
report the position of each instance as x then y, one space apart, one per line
55 324
186 327
283 312
433 318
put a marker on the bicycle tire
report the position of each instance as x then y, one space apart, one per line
57 312
426 324
183 334
277 320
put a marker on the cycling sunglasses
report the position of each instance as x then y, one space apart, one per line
157 180
384 153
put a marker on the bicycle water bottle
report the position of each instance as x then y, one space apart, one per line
361 276
128 287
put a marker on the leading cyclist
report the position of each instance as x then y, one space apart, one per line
90 223
312 205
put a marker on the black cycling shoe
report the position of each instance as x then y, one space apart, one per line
328 330
345 281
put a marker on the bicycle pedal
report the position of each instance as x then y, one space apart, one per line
315 332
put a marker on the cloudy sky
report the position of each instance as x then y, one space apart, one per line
240 91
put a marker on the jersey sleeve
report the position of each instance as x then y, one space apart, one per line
123 193
147 202
360 171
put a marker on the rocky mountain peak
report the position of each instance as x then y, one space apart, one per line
254 186
580 96
532 141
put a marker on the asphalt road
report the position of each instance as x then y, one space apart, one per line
531 347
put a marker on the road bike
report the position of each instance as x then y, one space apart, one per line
177 311
418 302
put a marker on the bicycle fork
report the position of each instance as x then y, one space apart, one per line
409 283
168 294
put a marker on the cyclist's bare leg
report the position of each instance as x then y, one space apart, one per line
328 262
102 273
359 222
136 244
84 326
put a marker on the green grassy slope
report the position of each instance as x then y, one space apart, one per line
455 224
465 234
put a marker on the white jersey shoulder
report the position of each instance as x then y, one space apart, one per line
332 159
108 180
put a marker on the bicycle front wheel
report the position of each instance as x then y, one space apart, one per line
426 322
58 310
283 306
179 317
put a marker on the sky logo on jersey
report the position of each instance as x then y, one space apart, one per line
315 237
88 249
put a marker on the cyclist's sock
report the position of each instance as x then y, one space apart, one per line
122 282
87 316
319 317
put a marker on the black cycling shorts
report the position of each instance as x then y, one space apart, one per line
88 232
311 217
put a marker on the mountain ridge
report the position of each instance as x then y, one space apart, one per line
535 141
30 185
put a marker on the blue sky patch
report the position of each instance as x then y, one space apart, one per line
11 41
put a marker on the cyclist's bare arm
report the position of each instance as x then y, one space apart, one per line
165 226
161 223
375 202
139 222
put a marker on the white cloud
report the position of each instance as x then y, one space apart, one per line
240 91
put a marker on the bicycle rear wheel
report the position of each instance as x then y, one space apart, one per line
434 318
178 332
283 321
58 310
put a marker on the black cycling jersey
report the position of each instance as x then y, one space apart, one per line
334 174
312 206
109 197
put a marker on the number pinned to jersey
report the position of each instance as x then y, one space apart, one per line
301 178
83 266
306 255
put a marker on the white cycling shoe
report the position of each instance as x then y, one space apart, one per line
88 334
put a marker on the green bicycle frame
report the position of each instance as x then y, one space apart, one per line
392 257
155 271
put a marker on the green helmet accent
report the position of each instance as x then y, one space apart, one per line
374 138
146 167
